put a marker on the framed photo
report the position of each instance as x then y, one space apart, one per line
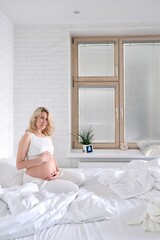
89 148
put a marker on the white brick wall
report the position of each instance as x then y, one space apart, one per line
6 87
41 78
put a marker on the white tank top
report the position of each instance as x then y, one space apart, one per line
39 145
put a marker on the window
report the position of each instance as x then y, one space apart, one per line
96 59
116 89
142 90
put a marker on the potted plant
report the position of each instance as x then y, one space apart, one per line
85 138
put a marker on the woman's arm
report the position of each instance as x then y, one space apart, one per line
22 162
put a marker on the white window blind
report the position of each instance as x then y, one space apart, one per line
97 108
142 91
96 59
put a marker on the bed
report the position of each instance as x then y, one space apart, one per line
114 204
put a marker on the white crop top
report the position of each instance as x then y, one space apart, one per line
39 145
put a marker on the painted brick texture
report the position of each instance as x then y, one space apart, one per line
6 87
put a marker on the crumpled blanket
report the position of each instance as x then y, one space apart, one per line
127 184
139 182
31 210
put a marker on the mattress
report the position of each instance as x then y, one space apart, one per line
118 228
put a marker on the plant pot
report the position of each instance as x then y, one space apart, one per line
88 148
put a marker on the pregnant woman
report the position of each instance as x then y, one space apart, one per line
36 155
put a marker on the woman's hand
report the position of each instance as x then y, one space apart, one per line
53 176
45 157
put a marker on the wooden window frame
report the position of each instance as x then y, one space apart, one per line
117 79
99 81
75 114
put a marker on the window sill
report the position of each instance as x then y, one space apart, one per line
109 154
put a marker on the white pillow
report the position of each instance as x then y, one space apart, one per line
9 174
149 148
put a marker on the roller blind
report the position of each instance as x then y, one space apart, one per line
142 91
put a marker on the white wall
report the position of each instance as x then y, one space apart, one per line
6 87
42 74
41 78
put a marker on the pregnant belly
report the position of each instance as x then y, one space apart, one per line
42 171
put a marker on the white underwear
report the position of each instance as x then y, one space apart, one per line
40 182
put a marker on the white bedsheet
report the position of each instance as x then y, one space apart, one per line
33 210
130 182
142 183
116 228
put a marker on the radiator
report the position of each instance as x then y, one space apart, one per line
101 164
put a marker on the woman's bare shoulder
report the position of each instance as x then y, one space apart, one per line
26 137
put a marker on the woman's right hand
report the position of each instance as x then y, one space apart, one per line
45 157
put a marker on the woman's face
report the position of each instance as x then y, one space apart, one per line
42 121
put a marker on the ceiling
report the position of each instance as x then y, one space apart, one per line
91 11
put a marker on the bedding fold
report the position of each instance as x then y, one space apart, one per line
126 183
36 210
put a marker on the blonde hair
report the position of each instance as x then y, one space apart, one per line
49 130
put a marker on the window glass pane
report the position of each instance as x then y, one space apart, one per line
97 108
95 59
142 91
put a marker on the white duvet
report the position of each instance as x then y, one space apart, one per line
30 210
138 180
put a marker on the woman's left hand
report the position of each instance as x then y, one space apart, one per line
53 176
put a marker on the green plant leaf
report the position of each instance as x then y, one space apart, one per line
86 137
